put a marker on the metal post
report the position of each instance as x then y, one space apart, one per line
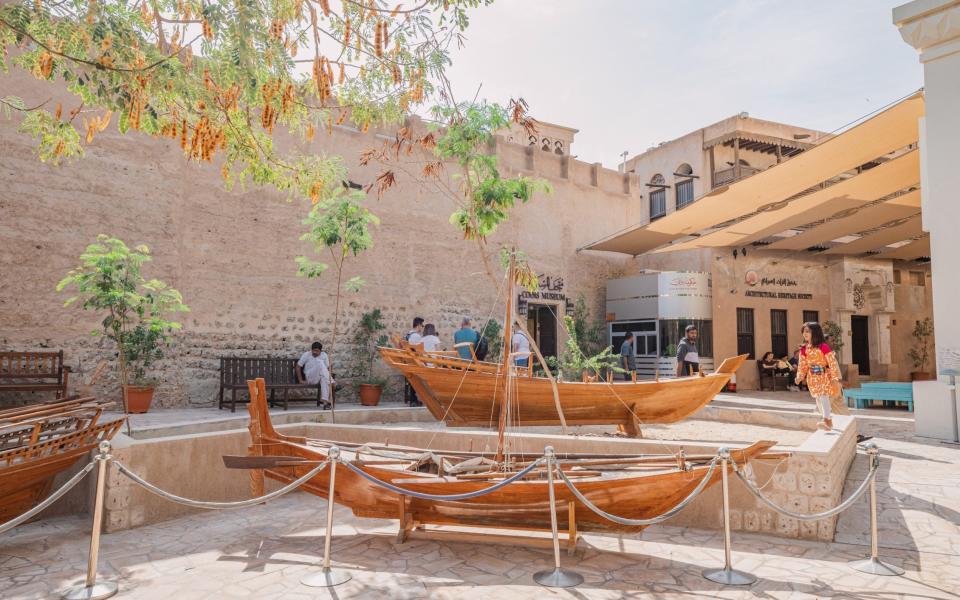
557 577
91 590
727 575
328 577
874 565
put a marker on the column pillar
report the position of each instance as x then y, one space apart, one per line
933 28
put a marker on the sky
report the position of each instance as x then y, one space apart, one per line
632 73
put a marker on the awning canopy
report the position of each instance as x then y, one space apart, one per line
889 233
918 248
857 219
769 195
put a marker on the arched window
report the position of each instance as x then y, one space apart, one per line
558 147
532 140
545 144
683 185
658 196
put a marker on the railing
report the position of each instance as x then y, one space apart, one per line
556 577
728 176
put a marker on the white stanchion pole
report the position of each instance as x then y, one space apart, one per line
557 577
91 589
727 575
328 577
874 565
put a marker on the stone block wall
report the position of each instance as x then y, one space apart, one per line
231 254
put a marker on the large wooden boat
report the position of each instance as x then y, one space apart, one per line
463 393
630 486
40 441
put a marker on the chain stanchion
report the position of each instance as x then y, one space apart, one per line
557 577
328 577
874 565
727 575
92 589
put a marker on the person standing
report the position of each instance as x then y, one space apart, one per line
688 361
465 340
430 339
313 368
416 334
628 357
819 368
413 337
520 348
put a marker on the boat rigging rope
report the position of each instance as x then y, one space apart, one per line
445 497
642 522
221 505
66 487
874 465
610 385
466 370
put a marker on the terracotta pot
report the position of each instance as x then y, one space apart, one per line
370 394
920 376
139 398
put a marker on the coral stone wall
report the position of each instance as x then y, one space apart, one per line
231 254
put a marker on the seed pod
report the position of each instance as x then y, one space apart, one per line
346 33
342 76
325 6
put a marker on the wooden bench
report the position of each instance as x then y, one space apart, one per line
34 372
280 374
773 377
888 392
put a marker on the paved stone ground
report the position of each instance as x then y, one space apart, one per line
263 552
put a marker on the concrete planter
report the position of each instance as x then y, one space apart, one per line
920 376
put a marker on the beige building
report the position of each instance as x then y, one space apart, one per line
844 246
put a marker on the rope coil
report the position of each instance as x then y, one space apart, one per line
874 465
66 487
221 505
642 522
448 497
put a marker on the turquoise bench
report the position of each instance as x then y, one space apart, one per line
887 392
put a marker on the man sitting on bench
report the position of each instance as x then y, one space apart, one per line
314 368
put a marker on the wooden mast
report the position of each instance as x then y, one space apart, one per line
507 359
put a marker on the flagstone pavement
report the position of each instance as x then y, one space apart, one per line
262 552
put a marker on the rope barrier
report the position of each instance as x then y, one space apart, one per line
448 497
642 522
874 464
66 487
220 505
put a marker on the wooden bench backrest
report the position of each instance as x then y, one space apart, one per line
32 365
238 370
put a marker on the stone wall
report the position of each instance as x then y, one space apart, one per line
231 254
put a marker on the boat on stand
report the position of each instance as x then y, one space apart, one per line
40 441
379 477
465 393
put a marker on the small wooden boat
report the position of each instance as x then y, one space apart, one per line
634 487
470 393
462 393
40 441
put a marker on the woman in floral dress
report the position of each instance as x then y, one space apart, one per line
819 368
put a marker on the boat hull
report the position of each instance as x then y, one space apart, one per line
27 473
464 397
520 505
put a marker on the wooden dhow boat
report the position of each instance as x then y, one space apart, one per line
40 441
469 393
629 486
463 393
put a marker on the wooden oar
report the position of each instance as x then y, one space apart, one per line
265 462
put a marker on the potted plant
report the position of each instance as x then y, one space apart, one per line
920 352
366 339
109 280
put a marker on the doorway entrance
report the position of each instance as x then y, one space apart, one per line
542 325
860 343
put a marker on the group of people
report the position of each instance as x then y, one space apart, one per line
688 359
